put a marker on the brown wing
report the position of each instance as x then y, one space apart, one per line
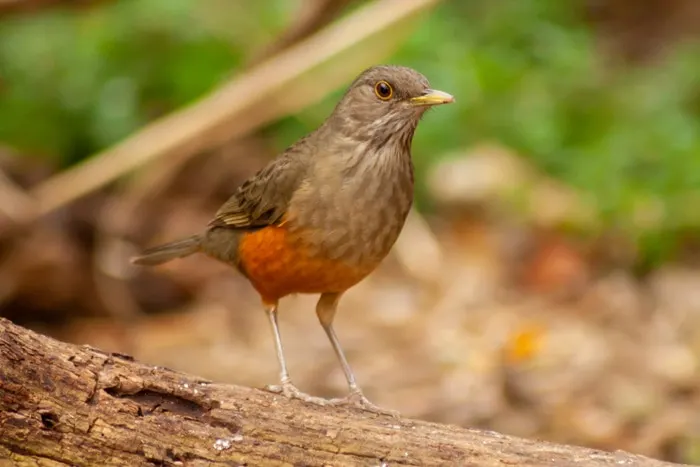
263 199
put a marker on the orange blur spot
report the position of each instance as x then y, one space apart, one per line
525 344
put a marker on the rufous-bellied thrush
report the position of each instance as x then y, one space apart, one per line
322 216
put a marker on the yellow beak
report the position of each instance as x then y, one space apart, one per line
432 97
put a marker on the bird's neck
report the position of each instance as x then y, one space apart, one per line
383 147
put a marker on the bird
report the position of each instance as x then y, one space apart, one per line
324 213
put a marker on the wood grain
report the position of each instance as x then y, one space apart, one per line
62 405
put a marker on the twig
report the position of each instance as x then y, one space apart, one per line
14 202
312 15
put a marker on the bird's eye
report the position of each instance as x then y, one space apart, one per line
383 90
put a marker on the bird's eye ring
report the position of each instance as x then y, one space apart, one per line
383 90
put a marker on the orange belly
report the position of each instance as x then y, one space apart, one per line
276 267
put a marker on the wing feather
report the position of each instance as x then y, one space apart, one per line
263 199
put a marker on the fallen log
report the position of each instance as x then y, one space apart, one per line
67 405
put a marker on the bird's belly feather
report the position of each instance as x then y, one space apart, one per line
277 265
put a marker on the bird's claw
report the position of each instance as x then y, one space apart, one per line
358 400
287 389
355 399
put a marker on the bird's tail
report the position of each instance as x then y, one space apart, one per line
164 253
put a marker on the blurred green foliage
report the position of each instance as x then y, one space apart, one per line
73 83
525 74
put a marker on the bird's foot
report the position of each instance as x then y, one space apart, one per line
355 399
358 400
287 389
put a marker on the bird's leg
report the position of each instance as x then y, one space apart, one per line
271 312
285 387
325 309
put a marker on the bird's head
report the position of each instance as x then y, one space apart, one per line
385 100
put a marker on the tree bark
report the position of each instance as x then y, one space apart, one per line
62 404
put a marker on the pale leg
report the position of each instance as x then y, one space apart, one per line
325 309
285 387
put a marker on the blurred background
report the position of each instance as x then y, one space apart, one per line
547 284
